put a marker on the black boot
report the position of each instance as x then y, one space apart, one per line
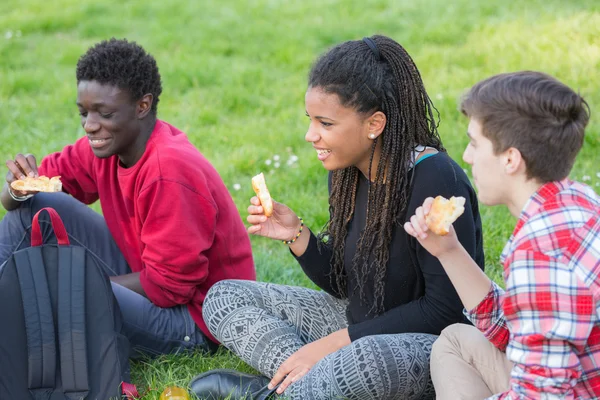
220 383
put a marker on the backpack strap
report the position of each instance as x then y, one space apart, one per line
59 228
71 322
39 323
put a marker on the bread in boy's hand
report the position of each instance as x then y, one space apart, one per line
443 213
260 188
39 184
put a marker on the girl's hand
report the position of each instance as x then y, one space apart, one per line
282 225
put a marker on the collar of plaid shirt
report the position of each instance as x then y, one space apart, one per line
545 192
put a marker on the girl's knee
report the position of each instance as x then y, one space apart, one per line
222 298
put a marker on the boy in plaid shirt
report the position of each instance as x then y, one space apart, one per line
539 338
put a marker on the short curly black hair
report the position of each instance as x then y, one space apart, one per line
123 64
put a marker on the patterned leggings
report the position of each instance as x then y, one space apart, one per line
264 324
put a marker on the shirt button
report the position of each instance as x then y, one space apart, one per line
187 338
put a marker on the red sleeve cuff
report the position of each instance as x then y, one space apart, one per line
154 292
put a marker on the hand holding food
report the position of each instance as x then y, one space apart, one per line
443 213
436 215
19 168
269 218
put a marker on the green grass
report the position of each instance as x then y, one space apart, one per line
234 77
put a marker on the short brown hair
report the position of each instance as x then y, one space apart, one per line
536 114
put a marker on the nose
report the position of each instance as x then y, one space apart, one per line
90 124
467 156
311 134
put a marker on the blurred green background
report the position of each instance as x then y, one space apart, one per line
234 77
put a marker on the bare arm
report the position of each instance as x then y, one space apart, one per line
130 281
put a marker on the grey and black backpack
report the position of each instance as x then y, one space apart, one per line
60 336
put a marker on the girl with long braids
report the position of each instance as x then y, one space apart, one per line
368 334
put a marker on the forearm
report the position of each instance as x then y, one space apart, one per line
8 202
130 281
470 282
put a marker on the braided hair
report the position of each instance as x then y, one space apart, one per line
370 75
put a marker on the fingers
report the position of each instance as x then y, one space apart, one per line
427 205
27 164
300 375
256 210
256 219
409 229
292 377
418 224
254 229
283 370
14 172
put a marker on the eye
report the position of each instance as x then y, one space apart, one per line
83 114
326 124
107 115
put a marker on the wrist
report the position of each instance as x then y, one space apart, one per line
298 232
18 198
340 338
447 256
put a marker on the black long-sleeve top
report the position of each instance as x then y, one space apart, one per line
419 296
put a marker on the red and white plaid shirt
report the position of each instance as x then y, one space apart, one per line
548 319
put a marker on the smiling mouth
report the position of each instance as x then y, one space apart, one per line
98 143
323 154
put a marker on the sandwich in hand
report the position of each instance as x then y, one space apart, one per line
39 184
443 213
260 187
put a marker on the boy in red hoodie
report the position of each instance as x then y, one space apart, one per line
169 230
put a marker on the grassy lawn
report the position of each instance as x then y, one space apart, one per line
234 77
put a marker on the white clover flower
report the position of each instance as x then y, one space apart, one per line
597 174
268 162
8 35
289 162
237 186
439 96
276 157
276 164
294 158
586 178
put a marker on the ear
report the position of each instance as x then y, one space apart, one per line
513 161
376 124
144 105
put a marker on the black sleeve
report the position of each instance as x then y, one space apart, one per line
440 306
316 262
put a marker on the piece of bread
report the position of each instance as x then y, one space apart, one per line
443 213
260 188
39 184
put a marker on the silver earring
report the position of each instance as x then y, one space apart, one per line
371 136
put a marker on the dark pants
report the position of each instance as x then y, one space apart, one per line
151 330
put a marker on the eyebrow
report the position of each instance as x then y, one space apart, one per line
94 105
320 117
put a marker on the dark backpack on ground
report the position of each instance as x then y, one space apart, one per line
60 336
